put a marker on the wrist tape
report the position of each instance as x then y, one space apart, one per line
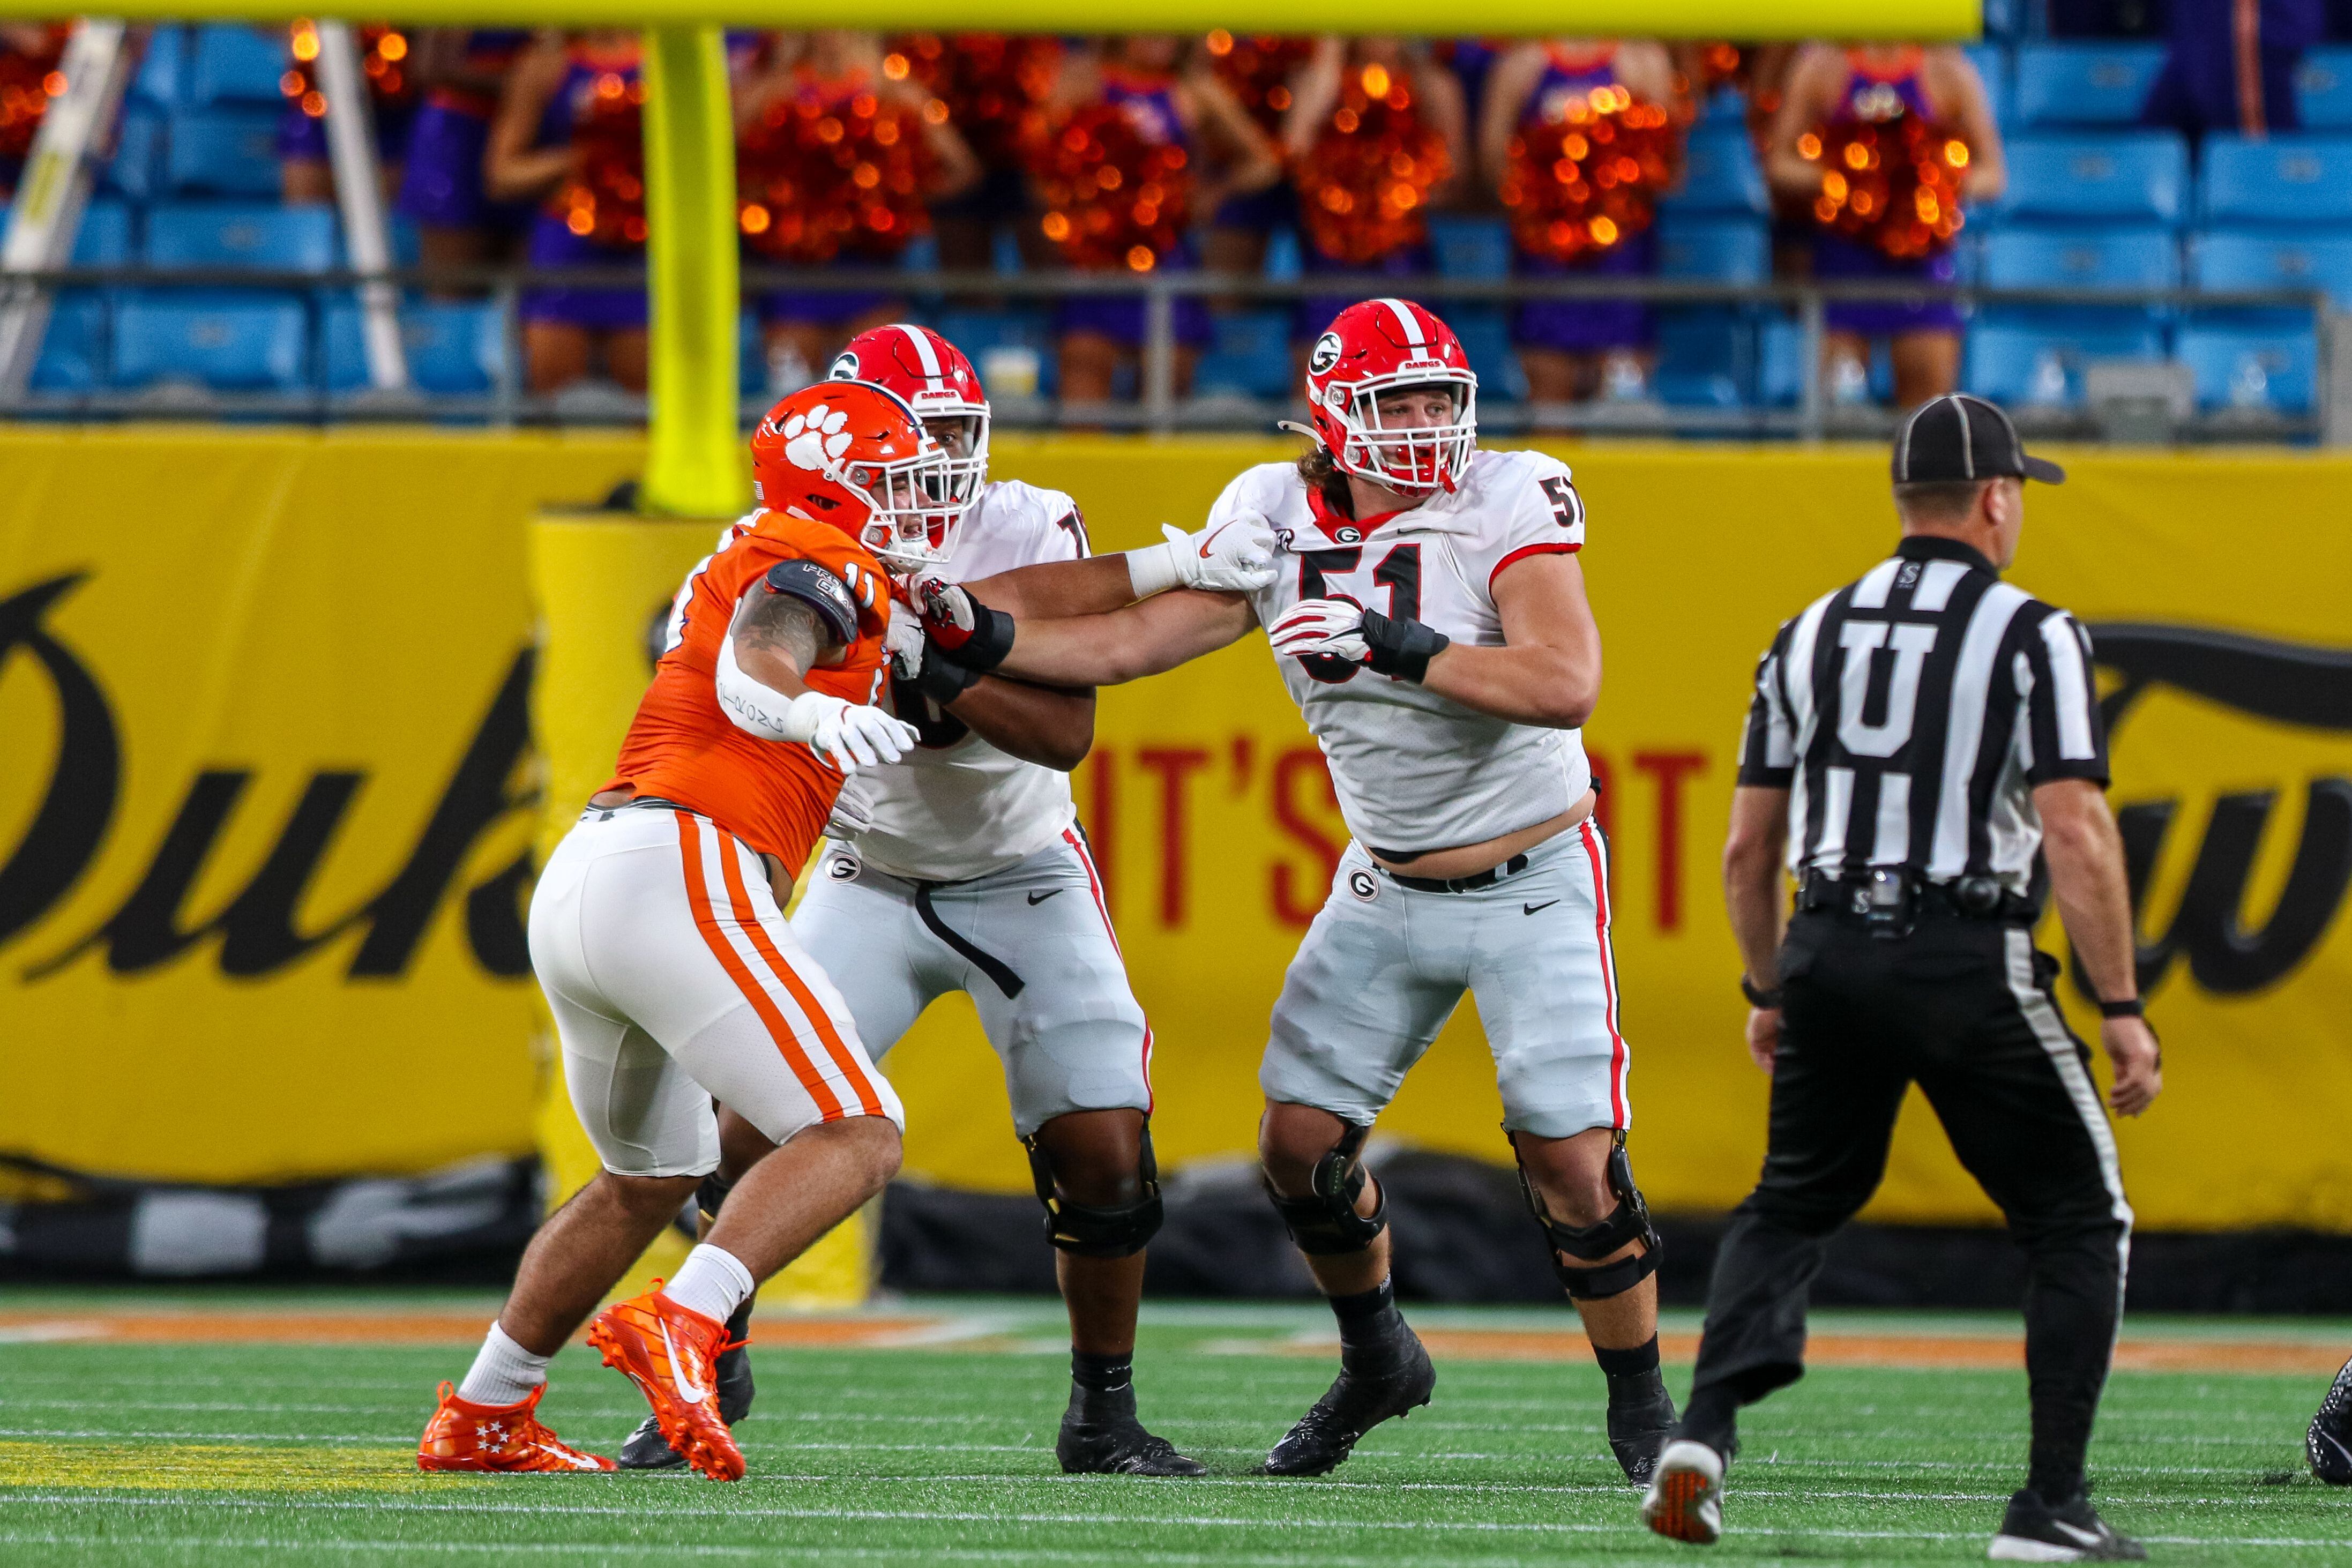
1401 648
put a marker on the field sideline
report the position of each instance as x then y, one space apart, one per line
207 1427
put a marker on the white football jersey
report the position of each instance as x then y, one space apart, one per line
1415 771
957 807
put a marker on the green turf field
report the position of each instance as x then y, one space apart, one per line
938 1449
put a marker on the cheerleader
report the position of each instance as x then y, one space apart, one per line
304 171
461 71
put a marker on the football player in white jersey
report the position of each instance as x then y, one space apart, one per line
963 868
1429 618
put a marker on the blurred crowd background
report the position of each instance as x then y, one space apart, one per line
2150 145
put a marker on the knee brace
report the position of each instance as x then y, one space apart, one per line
1325 1224
1586 1278
711 1193
1083 1230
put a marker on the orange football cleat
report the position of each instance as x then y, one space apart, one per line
466 1437
671 1352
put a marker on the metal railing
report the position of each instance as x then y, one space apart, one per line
1157 407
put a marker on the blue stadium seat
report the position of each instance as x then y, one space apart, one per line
976 332
1719 173
1718 249
232 343
2135 256
73 352
2297 180
1251 355
2005 18
1471 247
1284 262
2250 367
2322 87
2239 259
2124 177
230 64
1705 356
136 169
1991 62
162 78
228 151
1487 341
241 234
2035 362
104 238
452 348
2085 83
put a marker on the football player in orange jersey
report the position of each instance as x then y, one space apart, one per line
658 932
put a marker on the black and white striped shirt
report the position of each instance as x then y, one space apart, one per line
1911 714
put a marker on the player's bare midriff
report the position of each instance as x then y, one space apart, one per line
1469 860
779 880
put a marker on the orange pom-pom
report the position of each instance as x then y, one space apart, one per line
1113 199
604 203
988 84
27 82
1364 185
1256 70
818 178
1590 180
383 59
1894 184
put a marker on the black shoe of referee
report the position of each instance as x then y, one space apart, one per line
731 1376
1394 1378
2034 1532
2328 1444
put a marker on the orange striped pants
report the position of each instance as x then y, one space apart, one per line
674 979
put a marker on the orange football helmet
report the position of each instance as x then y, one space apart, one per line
855 456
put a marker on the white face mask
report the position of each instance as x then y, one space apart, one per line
1408 458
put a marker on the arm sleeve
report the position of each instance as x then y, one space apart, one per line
1767 746
2065 737
1542 515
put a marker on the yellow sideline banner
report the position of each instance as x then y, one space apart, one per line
261 859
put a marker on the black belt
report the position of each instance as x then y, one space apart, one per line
649 802
1470 884
1891 896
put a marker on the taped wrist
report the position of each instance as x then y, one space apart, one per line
1086 1230
1152 570
1577 1249
985 649
942 679
1401 647
1325 1223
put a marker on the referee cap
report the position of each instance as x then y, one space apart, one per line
1956 436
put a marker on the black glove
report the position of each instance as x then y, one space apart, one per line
1399 647
942 679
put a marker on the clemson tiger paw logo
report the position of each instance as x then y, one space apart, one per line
814 439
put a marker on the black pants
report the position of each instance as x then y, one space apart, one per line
1964 1009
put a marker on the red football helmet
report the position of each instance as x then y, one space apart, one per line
1385 346
856 456
939 383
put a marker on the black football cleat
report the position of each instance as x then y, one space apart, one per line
646 1450
2034 1532
2328 1444
1641 1415
1118 1445
1396 1384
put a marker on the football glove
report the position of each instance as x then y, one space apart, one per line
853 811
1235 556
1334 628
849 735
961 628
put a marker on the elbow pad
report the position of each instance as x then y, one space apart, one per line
821 590
761 710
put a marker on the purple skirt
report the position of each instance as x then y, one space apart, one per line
442 184
598 310
1588 326
1121 319
819 308
302 139
1002 195
1836 257
1314 311
1260 211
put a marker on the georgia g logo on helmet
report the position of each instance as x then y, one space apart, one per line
1326 354
845 366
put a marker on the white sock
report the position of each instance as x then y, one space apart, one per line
503 1372
712 1282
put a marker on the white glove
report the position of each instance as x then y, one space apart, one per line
1235 556
1332 627
849 735
852 810
903 642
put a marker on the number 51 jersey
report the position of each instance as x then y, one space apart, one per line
1415 771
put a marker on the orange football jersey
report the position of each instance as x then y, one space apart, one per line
774 795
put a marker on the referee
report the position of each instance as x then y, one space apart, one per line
1914 739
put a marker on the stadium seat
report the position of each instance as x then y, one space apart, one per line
104 238
978 331
231 342
229 152
452 348
2125 257
1705 356
2033 362
1991 62
1781 364
2085 83
2250 367
2238 260
2296 180
1717 250
1471 247
1486 339
1719 173
1251 355
73 351
241 234
1284 262
2323 88
2139 177
136 170
231 64
163 76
